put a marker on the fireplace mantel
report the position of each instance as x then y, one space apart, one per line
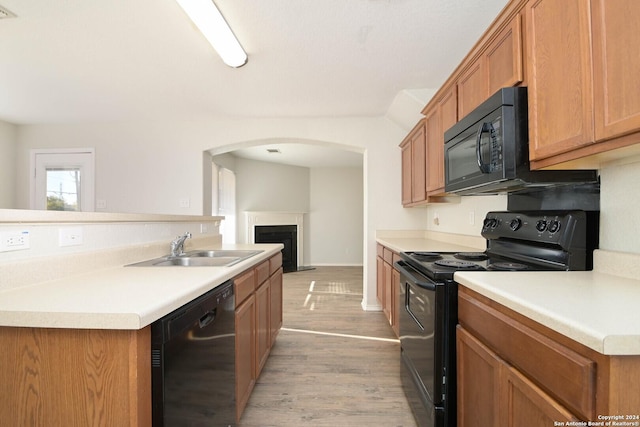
254 218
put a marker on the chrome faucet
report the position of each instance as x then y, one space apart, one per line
177 245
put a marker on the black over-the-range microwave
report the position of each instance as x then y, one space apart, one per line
487 151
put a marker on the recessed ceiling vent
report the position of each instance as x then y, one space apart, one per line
4 13
273 150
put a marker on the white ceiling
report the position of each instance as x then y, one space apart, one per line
72 61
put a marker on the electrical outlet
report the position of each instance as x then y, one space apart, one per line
14 241
204 228
184 203
70 236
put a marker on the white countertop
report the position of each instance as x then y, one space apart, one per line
598 310
119 297
423 245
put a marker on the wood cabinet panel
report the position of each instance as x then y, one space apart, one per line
559 76
387 285
262 272
414 152
440 118
407 177
263 329
245 352
380 294
395 313
568 376
616 59
479 373
275 262
418 166
75 377
472 87
275 319
525 404
243 286
388 299
504 57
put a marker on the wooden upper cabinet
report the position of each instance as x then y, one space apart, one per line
504 57
559 76
498 65
616 59
439 118
414 160
418 166
406 173
472 87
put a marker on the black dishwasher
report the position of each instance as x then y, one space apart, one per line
193 362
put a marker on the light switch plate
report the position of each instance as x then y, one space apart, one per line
70 236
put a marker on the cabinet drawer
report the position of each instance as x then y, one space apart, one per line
262 272
388 256
560 371
243 286
379 250
275 262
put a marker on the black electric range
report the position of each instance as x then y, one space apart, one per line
516 241
520 241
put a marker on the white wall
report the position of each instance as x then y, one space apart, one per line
8 155
465 216
335 217
619 206
151 166
264 186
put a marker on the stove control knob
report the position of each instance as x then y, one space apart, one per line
554 226
541 225
515 224
490 223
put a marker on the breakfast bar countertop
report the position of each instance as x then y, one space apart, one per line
117 297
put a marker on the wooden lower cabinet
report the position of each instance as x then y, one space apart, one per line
387 282
512 371
258 321
491 392
96 377
275 320
245 352
263 330
479 377
75 377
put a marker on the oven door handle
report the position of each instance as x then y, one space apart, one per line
408 272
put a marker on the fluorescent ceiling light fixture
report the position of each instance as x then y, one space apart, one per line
209 20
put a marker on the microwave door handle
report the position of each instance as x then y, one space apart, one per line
484 127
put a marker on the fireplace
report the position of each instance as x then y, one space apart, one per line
287 226
285 234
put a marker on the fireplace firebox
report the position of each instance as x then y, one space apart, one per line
285 234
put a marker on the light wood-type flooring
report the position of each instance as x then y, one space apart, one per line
333 364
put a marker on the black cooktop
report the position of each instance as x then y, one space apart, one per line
442 265
519 241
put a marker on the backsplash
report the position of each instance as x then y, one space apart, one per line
619 206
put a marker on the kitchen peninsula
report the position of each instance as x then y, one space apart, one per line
77 346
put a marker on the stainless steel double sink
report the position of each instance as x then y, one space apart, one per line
200 258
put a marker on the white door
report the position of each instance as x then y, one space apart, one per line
63 180
227 204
